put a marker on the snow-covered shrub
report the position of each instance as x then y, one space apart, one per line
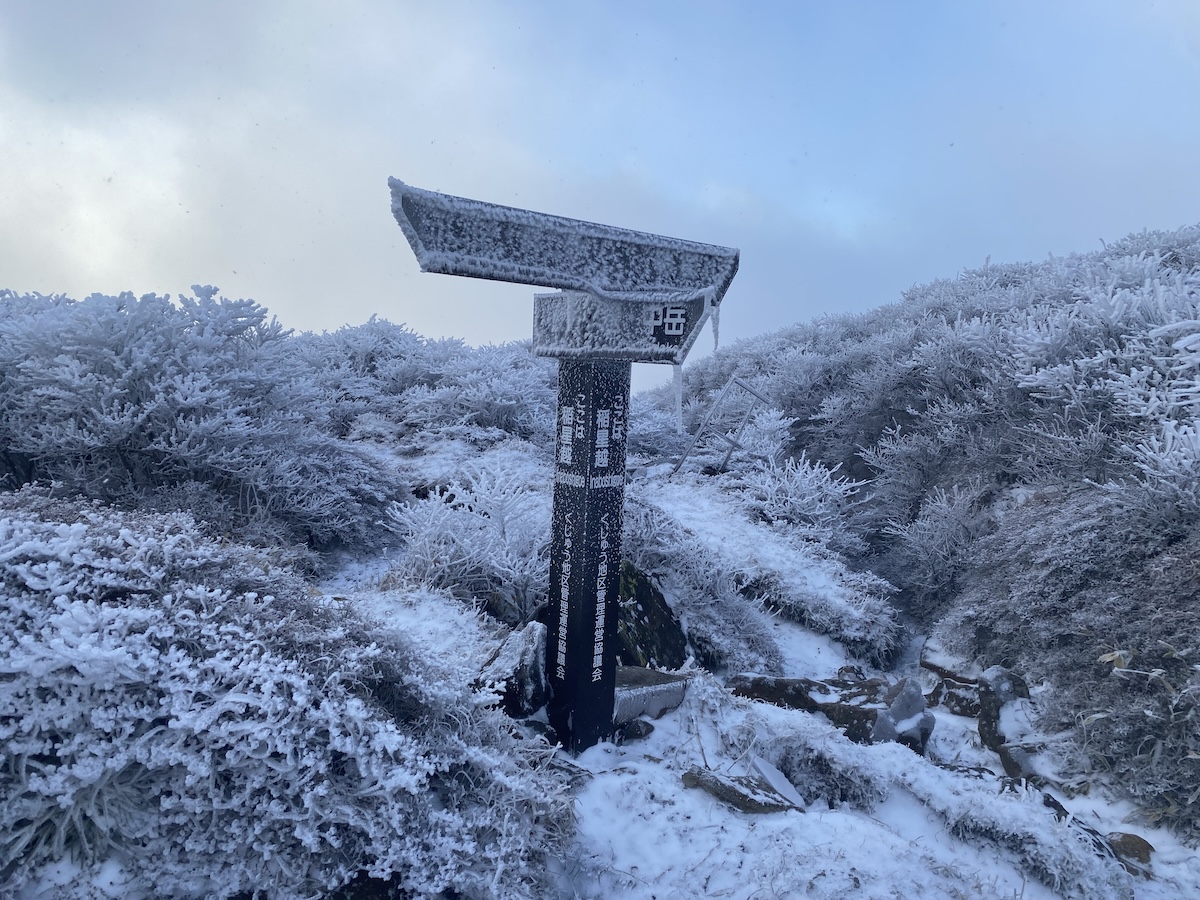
1127 353
124 399
817 590
1073 589
484 396
726 629
1170 464
484 538
654 430
932 548
728 569
806 498
364 370
1026 439
186 709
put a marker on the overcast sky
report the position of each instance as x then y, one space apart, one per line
849 149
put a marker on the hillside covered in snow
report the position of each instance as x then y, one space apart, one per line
936 619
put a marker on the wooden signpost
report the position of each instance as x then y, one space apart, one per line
624 297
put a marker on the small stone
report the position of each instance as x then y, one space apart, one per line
1130 847
747 793
634 730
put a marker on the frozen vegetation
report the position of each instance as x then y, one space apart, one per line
250 579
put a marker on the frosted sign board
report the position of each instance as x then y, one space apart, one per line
623 296
575 324
615 281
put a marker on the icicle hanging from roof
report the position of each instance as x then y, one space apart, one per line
678 376
716 327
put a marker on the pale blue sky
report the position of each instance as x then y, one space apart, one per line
849 149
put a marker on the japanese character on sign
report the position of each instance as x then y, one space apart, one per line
674 319
566 435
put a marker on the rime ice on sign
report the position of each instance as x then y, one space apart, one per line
624 296
457 236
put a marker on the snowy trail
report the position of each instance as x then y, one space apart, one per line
643 835
723 529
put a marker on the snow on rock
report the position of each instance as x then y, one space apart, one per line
868 710
746 793
645 692
924 833
518 671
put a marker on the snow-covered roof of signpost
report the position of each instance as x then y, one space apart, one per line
457 236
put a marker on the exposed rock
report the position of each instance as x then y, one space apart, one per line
1006 684
942 664
1018 764
648 632
749 793
519 666
634 730
999 687
868 710
905 720
957 688
955 697
1132 851
646 692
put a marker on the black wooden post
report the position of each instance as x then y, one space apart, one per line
585 549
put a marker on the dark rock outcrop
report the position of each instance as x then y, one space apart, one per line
955 691
999 687
868 710
956 697
648 632
634 730
1132 850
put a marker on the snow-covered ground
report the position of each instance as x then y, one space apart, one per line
932 832
916 829
929 831
643 835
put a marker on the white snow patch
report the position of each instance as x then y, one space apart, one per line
451 635
805 653
641 834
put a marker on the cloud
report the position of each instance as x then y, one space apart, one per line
848 155
89 204
252 176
